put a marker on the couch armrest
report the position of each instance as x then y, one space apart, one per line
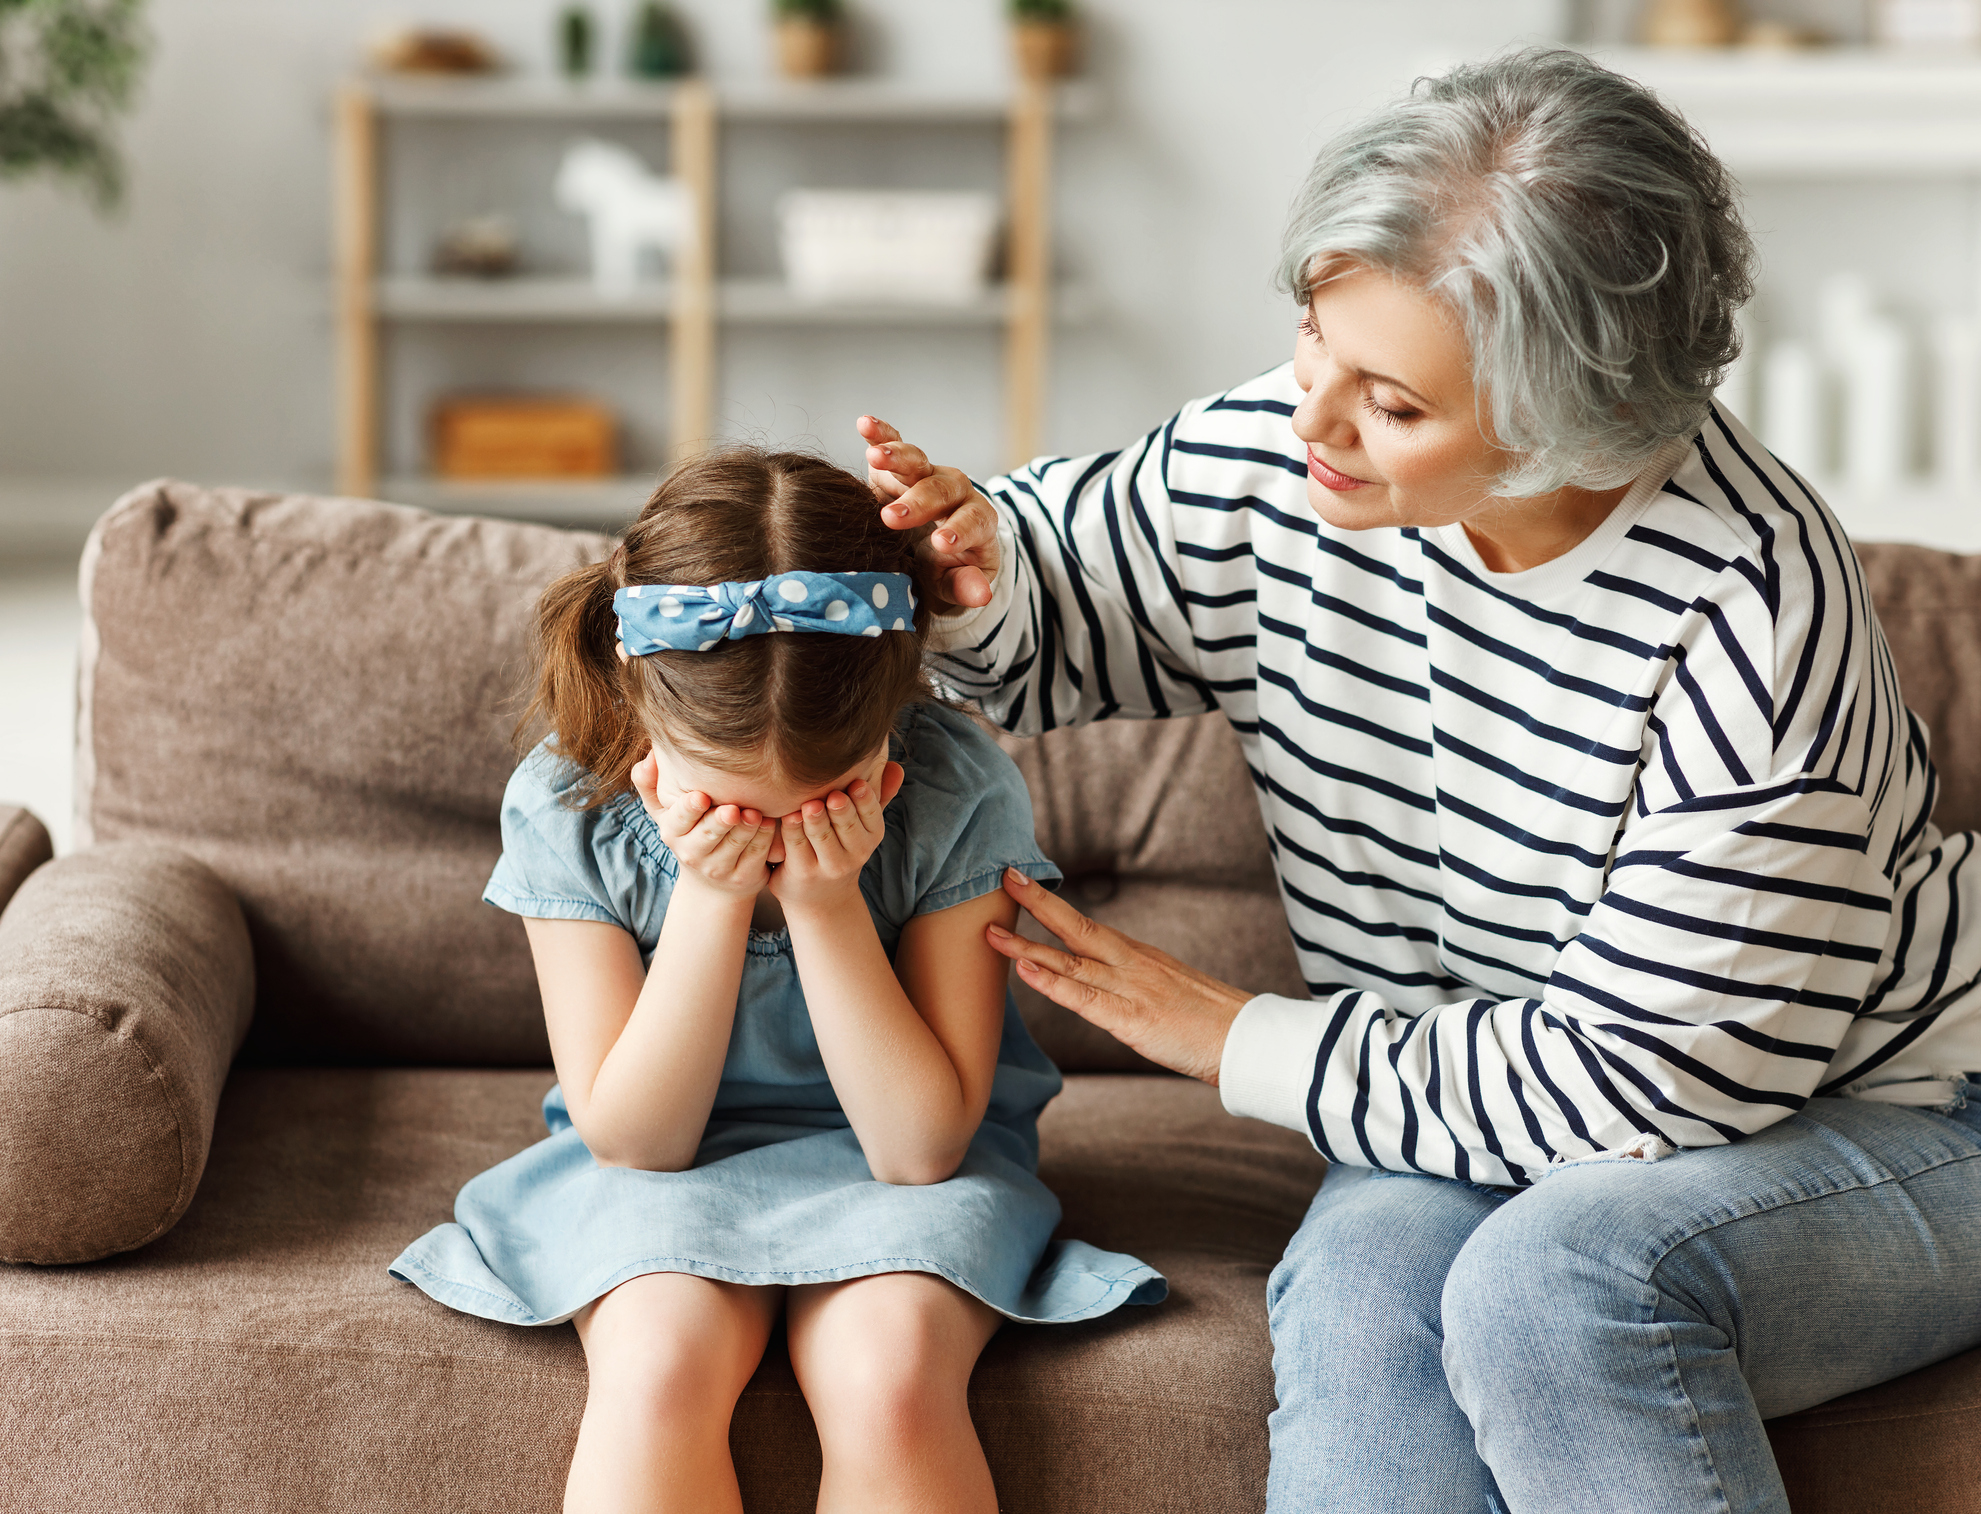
126 985
24 846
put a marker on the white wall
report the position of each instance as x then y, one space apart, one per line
190 336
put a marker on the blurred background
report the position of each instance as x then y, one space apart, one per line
513 255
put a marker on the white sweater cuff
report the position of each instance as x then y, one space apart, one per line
1268 1064
966 628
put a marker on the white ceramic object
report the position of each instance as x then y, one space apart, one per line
1737 389
890 246
1793 408
1927 23
1877 408
1957 405
630 208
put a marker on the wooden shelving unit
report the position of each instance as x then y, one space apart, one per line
695 303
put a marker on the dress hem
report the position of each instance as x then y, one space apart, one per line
1144 1286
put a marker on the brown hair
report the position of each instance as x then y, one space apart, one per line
803 706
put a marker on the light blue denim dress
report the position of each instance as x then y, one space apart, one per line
780 1192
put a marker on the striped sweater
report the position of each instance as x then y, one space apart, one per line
1629 848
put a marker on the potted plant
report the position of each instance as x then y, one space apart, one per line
808 33
1046 36
67 67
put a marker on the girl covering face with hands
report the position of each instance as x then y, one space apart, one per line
757 861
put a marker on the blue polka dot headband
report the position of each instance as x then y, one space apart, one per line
693 618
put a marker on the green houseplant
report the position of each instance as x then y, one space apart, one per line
67 69
808 33
1045 36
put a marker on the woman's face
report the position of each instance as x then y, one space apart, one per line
1388 417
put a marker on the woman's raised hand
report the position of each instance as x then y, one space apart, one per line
723 846
1144 998
915 493
827 841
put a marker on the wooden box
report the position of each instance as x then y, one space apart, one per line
476 436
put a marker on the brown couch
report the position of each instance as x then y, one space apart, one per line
259 1029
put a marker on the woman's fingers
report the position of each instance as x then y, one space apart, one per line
1084 936
966 587
1062 964
940 493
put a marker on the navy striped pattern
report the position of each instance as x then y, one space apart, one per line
1635 843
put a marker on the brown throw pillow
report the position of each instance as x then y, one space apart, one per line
126 985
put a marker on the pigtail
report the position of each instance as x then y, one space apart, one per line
580 694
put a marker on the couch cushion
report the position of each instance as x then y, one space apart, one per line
1930 606
24 846
126 990
260 1357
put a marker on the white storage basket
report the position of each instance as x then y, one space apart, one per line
845 245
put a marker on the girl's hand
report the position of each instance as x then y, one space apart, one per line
828 841
725 847
913 492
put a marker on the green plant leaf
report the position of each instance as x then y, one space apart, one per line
67 68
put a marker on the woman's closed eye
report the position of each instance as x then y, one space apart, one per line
1383 412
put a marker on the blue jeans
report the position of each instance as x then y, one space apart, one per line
1612 1338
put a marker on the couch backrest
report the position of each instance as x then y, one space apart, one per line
316 697
1930 606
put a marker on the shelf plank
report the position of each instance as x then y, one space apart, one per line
1830 112
517 299
594 502
549 300
849 100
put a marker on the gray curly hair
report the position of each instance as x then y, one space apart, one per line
1586 237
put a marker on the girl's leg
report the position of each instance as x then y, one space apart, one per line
1366 1422
1618 1333
669 1354
885 1364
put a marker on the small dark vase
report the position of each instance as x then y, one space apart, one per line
576 36
660 43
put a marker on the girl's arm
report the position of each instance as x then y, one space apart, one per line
910 1046
639 1055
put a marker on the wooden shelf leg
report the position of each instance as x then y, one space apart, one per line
355 216
692 358
1028 336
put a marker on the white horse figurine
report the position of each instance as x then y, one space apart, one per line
630 209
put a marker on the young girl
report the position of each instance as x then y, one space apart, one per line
756 861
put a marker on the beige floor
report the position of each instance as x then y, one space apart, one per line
39 623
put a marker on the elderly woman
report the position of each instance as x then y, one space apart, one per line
1643 986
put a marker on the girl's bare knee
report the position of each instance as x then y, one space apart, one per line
887 1367
675 1348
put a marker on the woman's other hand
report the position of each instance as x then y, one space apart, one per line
914 493
1144 998
724 846
827 841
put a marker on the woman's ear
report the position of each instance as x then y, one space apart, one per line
620 648
890 782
